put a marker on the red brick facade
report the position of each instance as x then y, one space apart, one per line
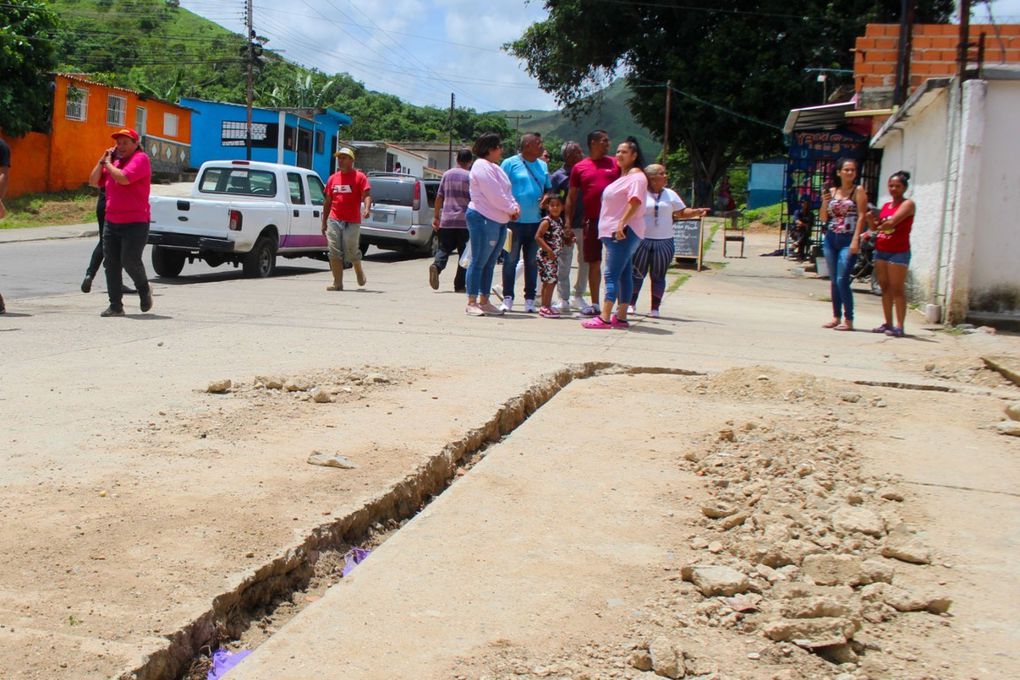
933 51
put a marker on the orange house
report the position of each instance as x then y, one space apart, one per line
85 113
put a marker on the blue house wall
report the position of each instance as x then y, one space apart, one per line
218 132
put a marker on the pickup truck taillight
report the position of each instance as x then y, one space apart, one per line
235 220
416 204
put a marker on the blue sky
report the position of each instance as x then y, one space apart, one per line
422 50
419 50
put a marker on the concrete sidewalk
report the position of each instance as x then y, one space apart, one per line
48 233
135 504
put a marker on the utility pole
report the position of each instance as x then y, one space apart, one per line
251 77
665 127
963 47
449 160
517 123
903 57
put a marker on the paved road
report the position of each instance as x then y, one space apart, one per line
54 267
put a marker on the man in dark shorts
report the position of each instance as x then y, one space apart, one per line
588 179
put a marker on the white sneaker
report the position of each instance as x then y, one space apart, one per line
578 302
529 306
630 309
508 304
563 307
497 290
654 314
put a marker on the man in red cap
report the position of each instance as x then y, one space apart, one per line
124 171
348 199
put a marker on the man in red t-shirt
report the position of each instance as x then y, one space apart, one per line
348 199
588 179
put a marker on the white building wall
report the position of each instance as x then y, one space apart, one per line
910 148
995 266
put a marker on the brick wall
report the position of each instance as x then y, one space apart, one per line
933 52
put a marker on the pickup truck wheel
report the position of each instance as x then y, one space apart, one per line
260 263
167 263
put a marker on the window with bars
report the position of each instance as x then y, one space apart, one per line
77 103
116 110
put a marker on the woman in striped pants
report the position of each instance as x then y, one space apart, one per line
655 253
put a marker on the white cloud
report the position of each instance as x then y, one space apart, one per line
419 50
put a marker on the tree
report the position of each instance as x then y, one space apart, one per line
737 68
26 59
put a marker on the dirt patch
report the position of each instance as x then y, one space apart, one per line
805 564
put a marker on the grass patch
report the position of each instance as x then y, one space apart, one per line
706 244
45 210
769 215
679 280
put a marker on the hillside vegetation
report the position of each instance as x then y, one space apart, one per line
166 51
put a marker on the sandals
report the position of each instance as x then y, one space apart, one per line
596 323
843 327
591 310
895 332
617 322
548 313
831 324
884 328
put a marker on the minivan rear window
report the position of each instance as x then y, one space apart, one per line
392 191
239 181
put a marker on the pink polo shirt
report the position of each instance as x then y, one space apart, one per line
490 190
128 203
633 186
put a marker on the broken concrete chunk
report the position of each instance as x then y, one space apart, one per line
858 520
733 520
219 386
1013 410
890 494
833 570
714 580
270 382
297 385
1010 427
667 660
815 608
321 396
906 547
812 633
330 460
717 510
904 600
641 660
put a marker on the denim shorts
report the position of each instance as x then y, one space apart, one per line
902 258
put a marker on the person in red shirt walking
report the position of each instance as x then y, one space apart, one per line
348 200
125 172
892 253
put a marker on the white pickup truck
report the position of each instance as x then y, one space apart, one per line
242 212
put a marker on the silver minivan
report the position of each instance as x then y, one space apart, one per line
401 217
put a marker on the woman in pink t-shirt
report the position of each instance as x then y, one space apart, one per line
126 174
621 228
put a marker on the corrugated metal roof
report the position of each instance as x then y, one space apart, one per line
827 117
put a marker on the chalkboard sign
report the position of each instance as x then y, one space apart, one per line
687 239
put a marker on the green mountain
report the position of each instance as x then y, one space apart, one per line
611 113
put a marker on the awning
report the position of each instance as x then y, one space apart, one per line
827 117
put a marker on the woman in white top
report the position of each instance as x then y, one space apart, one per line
655 253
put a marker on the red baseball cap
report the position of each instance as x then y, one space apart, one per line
126 132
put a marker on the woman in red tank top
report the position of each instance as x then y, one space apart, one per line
892 253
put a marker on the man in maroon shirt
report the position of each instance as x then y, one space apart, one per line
588 180
348 199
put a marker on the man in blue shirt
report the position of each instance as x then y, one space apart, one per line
529 180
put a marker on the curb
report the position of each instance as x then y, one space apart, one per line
88 233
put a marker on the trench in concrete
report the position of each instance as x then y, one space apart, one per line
233 612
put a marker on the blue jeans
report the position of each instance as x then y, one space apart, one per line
840 263
524 239
619 267
485 241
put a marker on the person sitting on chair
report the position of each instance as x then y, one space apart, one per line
803 223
